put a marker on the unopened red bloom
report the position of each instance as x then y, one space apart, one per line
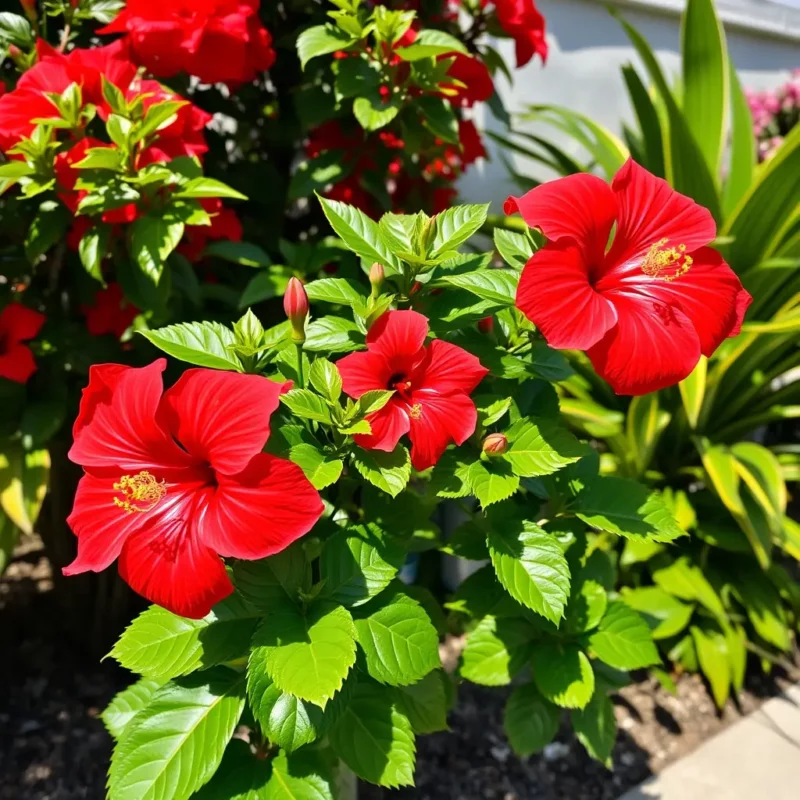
110 313
521 20
175 479
18 323
646 308
431 387
218 41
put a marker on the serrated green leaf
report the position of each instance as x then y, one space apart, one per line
160 645
492 481
374 737
515 248
596 727
388 471
372 113
206 344
178 740
374 400
333 335
299 777
532 567
399 641
425 703
623 639
321 470
304 403
450 475
271 581
563 674
496 650
455 226
497 286
127 704
541 447
628 509
152 240
586 607
336 291
203 186
307 654
358 563
666 616
530 721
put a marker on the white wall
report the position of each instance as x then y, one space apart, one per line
587 49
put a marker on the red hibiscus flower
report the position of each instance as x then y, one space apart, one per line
472 72
18 323
646 308
110 313
471 144
521 20
224 225
431 387
218 41
174 480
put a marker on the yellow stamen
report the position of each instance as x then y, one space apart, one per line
661 258
416 411
141 492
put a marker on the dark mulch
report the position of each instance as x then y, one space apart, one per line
53 745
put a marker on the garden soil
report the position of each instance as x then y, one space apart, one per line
53 745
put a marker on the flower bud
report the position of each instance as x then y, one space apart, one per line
495 444
486 325
29 7
377 275
295 304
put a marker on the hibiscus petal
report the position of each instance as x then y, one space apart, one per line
388 424
19 323
580 207
363 372
221 417
437 420
710 294
398 334
118 425
169 564
651 210
652 346
449 368
17 363
555 294
101 526
262 510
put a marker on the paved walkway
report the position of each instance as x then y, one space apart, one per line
757 758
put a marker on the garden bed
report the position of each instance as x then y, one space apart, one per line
53 745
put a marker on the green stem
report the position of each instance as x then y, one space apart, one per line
300 377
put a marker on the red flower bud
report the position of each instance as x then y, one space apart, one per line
495 444
295 304
14 52
29 7
486 325
377 275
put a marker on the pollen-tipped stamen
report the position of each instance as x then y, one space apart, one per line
661 258
141 492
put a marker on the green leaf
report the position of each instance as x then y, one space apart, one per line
628 509
390 472
541 447
515 249
48 227
299 777
492 481
429 44
586 607
92 250
623 639
374 400
270 582
157 117
321 40
304 403
530 721
15 29
267 283
206 344
645 423
425 703
763 604
358 563
712 653
439 118
693 390
563 674
596 727
358 232
498 286
496 650
160 645
456 225
372 113
127 704
686 581
333 335
649 123
320 469
398 639
208 187
374 737
705 79
177 741
245 253
666 616
152 240
307 654
532 567
743 146
337 291
316 174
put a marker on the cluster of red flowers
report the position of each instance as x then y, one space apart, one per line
217 41
18 324
521 20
